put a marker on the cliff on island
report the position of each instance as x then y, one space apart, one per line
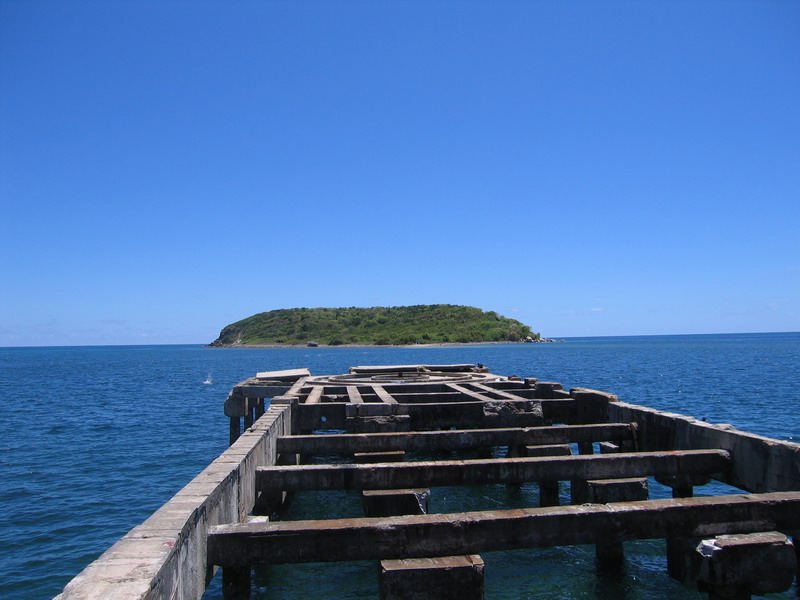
422 324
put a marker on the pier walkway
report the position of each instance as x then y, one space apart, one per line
592 457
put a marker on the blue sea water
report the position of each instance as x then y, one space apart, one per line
94 439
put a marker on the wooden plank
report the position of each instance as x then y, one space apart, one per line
286 375
458 439
354 395
314 395
418 536
385 396
479 472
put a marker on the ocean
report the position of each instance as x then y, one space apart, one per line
94 439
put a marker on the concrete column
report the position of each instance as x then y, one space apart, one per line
236 583
390 503
681 562
271 500
591 406
260 408
796 544
610 553
546 390
432 578
235 430
578 490
548 490
736 566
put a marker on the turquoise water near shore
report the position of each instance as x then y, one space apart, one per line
94 439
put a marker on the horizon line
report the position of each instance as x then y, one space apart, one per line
449 345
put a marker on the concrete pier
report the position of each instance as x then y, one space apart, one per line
395 423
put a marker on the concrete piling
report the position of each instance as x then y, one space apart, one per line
609 552
549 489
432 578
734 567
236 583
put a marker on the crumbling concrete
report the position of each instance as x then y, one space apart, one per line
737 566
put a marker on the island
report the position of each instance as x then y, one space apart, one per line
379 326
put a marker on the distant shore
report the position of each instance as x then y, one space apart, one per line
426 345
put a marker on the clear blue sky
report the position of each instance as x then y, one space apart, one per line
590 168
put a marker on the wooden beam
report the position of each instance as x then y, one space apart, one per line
314 395
385 396
457 439
478 472
418 536
354 395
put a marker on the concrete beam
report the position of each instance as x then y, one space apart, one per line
285 375
760 464
384 396
496 392
478 472
354 395
487 531
385 369
463 415
453 439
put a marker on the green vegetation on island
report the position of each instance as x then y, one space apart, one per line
422 324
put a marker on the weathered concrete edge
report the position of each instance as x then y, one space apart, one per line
165 557
759 464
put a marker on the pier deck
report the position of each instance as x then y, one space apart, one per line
384 423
